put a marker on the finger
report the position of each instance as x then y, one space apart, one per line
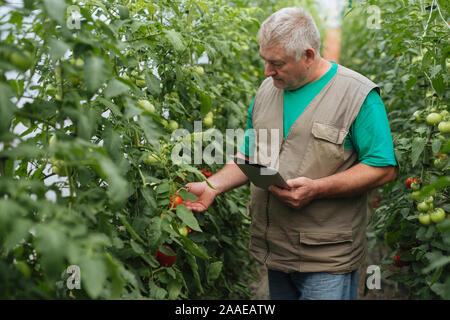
280 192
295 183
194 206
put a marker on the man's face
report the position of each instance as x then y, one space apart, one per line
287 73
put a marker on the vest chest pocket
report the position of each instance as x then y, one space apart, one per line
325 151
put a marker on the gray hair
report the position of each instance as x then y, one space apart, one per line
293 29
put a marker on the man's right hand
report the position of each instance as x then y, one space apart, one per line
227 178
205 196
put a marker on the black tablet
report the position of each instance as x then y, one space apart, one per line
260 175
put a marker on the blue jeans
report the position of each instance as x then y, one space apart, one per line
313 286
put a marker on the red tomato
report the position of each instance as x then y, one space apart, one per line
207 174
399 262
175 201
409 181
164 259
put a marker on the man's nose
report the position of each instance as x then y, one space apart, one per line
269 71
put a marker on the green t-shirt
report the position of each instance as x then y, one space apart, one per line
369 134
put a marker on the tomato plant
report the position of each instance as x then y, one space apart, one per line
87 116
408 58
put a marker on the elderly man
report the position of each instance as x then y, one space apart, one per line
334 145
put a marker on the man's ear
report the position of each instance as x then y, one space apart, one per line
309 55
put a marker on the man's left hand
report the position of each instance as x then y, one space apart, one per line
301 192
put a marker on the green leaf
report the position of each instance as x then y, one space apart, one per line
446 147
6 107
436 261
56 10
93 274
149 198
154 231
175 39
163 187
51 246
187 195
444 226
156 292
438 84
131 110
214 270
430 189
111 106
193 248
18 232
436 145
136 247
174 288
187 217
417 148
194 267
206 103
130 229
112 144
153 83
58 48
152 130
124 12
117 184
95 73
115 88
117 282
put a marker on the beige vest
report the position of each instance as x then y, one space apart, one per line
328 234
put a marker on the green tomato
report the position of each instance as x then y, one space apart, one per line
50 87
433 118
209 115
77 62
416 195
23 268
444 114
21 60
441 137
429 199
183 231
199 70
141 83
52 141
444 126
423 206
425 219
437 215
151 158
173 125
415 186
146 105
440 163
418 116
208 121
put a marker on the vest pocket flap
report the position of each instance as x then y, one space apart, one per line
328 132
319 238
